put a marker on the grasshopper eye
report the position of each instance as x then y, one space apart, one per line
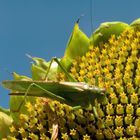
86 86
103 90
89 87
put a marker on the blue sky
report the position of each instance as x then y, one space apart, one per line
42 28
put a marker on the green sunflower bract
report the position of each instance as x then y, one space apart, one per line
76 46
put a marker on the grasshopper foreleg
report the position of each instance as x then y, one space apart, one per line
70 78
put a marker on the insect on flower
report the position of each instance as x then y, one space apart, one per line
73 93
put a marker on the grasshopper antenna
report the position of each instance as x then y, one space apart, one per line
28 55
91 19
91 15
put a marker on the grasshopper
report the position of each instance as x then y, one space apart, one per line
73 93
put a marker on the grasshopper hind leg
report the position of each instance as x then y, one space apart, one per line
46 93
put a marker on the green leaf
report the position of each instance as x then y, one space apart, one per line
78 45
20 77
105 30
4 110
136 24
38 73
5 123
40 62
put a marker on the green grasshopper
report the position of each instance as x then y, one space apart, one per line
73 93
